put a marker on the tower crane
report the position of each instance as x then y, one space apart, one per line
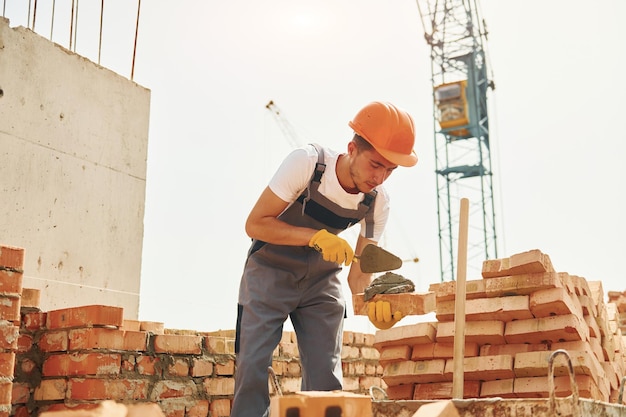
456 34
288 130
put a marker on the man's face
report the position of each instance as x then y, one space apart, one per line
369 169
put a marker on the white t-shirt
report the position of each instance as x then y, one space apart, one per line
294 175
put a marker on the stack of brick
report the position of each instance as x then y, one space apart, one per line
11 272
619 299
516 316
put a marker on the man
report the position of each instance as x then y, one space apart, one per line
295 258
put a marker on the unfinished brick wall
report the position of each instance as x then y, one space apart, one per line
75 358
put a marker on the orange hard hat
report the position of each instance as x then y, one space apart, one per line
389 130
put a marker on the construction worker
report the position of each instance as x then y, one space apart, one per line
296 255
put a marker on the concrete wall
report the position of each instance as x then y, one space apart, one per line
73 150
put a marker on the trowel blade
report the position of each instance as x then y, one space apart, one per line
376 259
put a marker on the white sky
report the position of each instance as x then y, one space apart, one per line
557 129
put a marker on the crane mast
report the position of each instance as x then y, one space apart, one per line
455 32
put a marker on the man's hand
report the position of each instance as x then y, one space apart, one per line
379 313
332 247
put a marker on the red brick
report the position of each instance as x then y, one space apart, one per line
10 307
7 364
481 332
409 304
6 387
54 341
446 291
50 390
178 344
533 261
406 335
136 341
216 345
24 343
102 389
225 369
173 389
11 257
152 327
484 368
148 365
96 338
178 368
397 353
201 367
9 335
20 411
219 386
414 372
20 393
82 364
400 392
199 409
31 298
11 281
551 329
498 388
220 408
443 390
85 316
34 321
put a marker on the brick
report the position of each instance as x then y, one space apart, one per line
24 343
522 284
216 345
179 368
443 390
446 350
102 389
11 257
481 332
502 388
7 364
496 308
136 341
224 386
10 307
9 335
537 364
412 372
226 368
20 393
199 408
96 338
165 389
511 349
85 316
400 392
533 261
31 298
178 344
554 302
153 327
446 291
529 387
6 387
484 368
146 410
50 390
11 281
148 365
54 341
396 354
551 329
220 408
406 335
409 304
132 325
82 364
586 303
34 320
201 367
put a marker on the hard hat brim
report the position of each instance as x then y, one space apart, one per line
397 158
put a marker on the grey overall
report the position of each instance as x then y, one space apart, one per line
293 281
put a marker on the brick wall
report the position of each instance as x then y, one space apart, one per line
75 358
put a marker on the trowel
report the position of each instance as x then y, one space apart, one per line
376 259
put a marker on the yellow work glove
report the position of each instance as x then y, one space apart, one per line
379 313
332 247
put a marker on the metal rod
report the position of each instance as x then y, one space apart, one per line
71 26
459 304
132 69
34 15
572 379
52 20
100 40
76 26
